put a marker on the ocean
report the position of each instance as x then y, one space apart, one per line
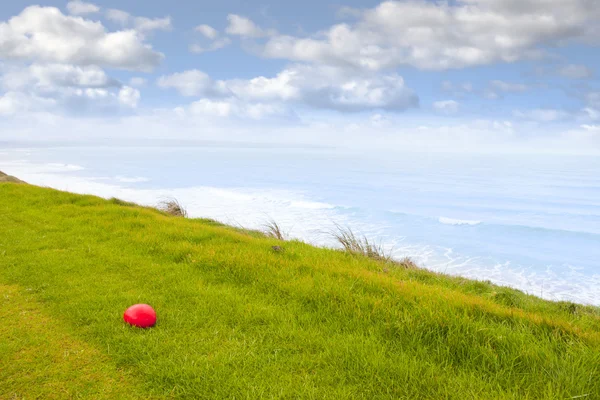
531 222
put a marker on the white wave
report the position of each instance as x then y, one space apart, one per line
57 167
312 205
133 179
452 221
25 168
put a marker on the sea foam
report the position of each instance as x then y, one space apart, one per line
452 221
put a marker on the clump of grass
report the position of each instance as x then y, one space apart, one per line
507 297
359 245
173 207
406 262
120 202
273 230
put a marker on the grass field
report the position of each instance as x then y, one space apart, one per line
240 320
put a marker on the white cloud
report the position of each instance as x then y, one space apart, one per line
208 31
593 99
215 45
12 103
137 81
78 7
45 34
574 71
491 95
458 90
232 107
440 35
592 128
129 96
188 83
63 88
244 27
542 114
80 101
143 24
592 109
354 130
446 106
211 107
508 86
592 113
140 24
119 16
50 76
319 87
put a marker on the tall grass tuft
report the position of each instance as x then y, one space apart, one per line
359 245
273 230
173 207
120 202
406 262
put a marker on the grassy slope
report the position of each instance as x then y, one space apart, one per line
8 178
40 359
239 320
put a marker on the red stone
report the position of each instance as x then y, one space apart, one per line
140 315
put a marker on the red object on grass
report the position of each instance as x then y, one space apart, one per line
140 315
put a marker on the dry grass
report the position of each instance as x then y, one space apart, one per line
273 230
173 207
406 262
8 178
359 245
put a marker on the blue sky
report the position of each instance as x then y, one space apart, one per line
464 75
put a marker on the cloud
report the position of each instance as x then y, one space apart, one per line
592 109
129 96
233 107
143 24
50 76
45 34
118 16
446 106
593 99
542 114
140 24
384 136
573 71
215 45
491 92
592 113
81 8
63 88
76 101
318 87
13 103
210 33
188 83
244 27
438 35
509 87
137 81
207 31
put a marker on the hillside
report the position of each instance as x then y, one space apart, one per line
240 319
8 178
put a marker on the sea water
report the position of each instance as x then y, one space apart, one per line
527 221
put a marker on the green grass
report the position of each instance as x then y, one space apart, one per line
238 320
